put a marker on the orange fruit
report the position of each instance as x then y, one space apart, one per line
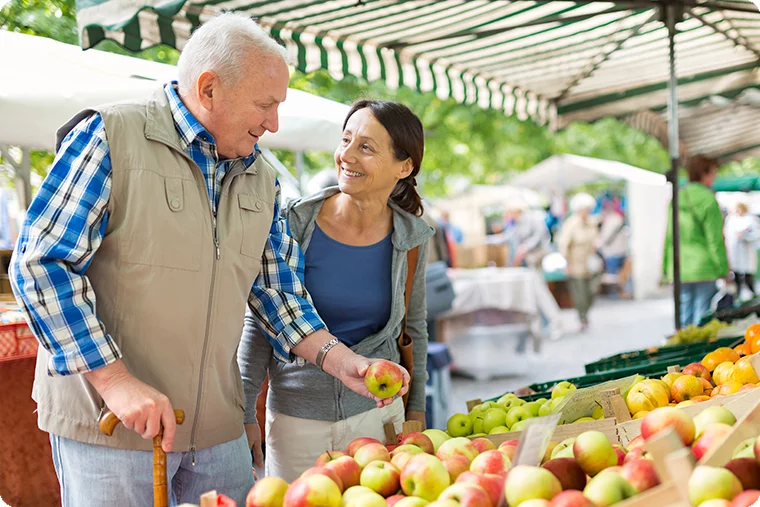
743 350
719 355
752 337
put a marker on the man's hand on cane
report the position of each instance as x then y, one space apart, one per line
137 405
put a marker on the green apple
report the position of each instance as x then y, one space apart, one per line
564 449
477 426
545 409
608 488
598 413
556 401
507 396
512 402
583 419
562 389
502 429
745 450
594 452
520 425
516 414
459 425
541 401
638 379
534 407
492 404
711 415
437 437
526 483
708 483
479 409
493 418
477 435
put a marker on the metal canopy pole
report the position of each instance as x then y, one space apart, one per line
673 14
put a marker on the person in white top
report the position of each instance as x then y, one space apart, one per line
742 232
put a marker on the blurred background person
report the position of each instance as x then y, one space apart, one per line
526 234
577 242
703 250
742 231
613 237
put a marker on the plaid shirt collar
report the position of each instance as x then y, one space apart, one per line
190 129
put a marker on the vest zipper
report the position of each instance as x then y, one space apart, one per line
216 240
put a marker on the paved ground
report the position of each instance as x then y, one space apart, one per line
616 326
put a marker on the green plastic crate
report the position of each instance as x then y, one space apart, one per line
672 353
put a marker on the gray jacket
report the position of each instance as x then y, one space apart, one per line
302 390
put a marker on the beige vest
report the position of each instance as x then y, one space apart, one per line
173 305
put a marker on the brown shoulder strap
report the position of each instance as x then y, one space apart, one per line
411 261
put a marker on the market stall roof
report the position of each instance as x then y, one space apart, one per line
46 82
578 60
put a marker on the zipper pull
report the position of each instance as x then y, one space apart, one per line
192 454
102 409
218 253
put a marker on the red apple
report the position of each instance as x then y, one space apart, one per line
620 451
456 465
381 477
637 453
527 482
358 443
665 417
483 444
747 470
459 445
635 443
411 449
347 469
509 447
697 370
492 484
327 457
420 440
641 474
268 492
568 471
332 474
372 452
393 500
757 449
401 459
312 491
712 435
746 498
424 476
384 379
467 494
594 452
570 498
491 462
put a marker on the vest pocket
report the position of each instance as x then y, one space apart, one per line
256 215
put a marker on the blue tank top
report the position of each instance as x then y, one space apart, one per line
350 285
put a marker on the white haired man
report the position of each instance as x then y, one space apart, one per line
154 230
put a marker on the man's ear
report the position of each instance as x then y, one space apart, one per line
206 88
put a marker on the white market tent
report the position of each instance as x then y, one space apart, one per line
648 197
46 82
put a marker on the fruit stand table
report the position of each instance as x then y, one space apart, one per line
495 306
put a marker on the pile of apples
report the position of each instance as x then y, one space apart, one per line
510 413
737 484
435 470
722 372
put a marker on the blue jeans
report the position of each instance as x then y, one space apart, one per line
695 301
97 476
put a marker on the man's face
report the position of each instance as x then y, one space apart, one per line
239 115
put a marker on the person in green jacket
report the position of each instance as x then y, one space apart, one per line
703 249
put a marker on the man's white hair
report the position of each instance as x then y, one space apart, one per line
226 44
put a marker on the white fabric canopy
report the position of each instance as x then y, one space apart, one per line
648 196
46 82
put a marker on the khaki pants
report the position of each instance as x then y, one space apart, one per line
294 444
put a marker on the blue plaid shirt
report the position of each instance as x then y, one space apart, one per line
64 227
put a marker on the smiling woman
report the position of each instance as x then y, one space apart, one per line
356 238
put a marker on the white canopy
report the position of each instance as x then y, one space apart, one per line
648 195
46 82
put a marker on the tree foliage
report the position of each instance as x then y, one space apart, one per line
463 143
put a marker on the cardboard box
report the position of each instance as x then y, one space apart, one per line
497 254
471 256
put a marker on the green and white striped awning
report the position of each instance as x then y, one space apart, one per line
554 62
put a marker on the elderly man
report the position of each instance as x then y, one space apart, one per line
156 226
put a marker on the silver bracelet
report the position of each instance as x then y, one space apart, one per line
323 352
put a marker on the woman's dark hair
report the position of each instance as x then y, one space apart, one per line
408 140
698 166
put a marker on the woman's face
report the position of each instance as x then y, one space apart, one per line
364 158
584 213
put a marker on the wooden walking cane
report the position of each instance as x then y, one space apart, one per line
160 493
